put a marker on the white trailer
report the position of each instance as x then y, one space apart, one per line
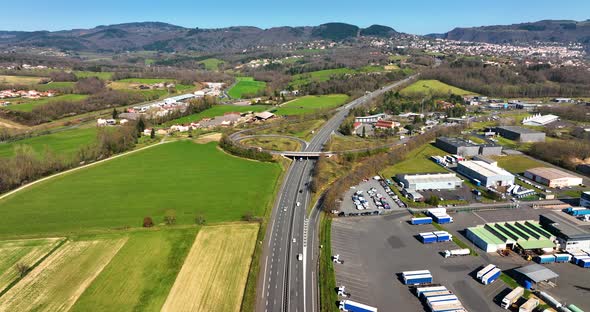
457 252
512 297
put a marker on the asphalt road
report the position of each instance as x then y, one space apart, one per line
286 283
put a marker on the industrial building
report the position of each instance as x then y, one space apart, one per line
539 120
585 199
370 119
552 177
571 233
457 146
463 147
485 174
437 181
526 235
520 134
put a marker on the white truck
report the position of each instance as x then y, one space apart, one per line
512 297
457 252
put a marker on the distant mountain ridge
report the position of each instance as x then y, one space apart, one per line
561 31
167 37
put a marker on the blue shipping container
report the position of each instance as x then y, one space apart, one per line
428 239
562 258
443 220
414 280
545 259
426 220
585 263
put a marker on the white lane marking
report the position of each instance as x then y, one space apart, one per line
264 279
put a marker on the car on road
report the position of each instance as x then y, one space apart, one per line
294 240
298 204
299 257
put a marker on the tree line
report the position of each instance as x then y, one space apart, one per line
252 153
563 153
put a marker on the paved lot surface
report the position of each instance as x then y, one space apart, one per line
376 249
348 206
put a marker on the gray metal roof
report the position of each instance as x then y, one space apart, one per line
537 273
564 226
457 142
517 129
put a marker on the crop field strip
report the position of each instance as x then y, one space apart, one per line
57 283
214 274
245 86
310 104
27 252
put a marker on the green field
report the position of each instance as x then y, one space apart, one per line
142 273
55 86
212 63
146 80
99 75
218 110
27 105
273 143
417 161
424 87
517 163
19 80
246 86
311 103
121 192
65 142
320 75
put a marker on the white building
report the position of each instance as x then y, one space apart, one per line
437 181
485 174
539 120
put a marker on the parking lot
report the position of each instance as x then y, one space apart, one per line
377 248
348 207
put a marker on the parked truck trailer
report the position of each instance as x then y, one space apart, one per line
351 306
512 297
457 252
529 306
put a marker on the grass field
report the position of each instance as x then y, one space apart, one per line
142 273
418 161
320 75
146 80
27 252
99 75
311 103
212 63
219 110
214 274
246 86
273 144
345 143
301 130
182 176
19 80
65 142
55 86
56 283
424 87
517 163
27 105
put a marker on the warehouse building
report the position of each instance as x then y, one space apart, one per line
572 234
539 120
520 134
485 174
490 149
552 177
437 181
585 199
526 235
457 146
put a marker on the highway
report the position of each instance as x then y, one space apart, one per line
286 283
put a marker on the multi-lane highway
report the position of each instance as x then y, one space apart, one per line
285 282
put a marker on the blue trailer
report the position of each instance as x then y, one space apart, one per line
491 276
427 238
484 271
545 259
585 263
578 211
349 305
424 290
561 258
442 236
425 220
443 219
579 260
418 279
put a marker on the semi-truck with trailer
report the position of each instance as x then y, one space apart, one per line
491 276
457 252
512 297
529 305
485 270
351 306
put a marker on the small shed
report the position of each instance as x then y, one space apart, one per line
536 273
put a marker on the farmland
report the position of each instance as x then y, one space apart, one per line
212 63
146 183
246 86
418 161
310 104
99 75
27 105
19 80
214 274
65 142
219 110
157 257
423 87
27 252
273 143
320 75
58 281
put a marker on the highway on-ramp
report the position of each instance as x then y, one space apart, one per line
286 283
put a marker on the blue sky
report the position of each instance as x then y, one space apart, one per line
417 17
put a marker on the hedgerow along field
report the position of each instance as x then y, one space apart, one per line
65 143
215 271
141 274
246 86
182 176
25 252
56 283
311 103
424 87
